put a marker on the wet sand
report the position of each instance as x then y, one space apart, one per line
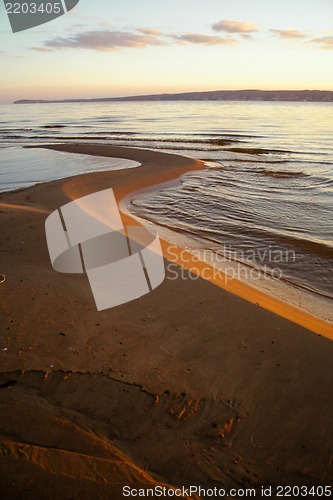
190 384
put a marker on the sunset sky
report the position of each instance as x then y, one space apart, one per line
106 48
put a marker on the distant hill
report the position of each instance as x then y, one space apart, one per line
215 95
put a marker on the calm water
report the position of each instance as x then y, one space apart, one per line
265 196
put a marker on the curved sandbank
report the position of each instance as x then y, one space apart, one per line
232 393
158 168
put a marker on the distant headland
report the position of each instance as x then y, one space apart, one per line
215 95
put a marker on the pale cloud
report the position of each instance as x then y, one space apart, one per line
232 26
247 36
74 26
204 39
103 41
325 42
150 31
109 40
289 34
42 49
327 32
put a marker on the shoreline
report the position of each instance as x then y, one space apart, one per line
232 393
203 269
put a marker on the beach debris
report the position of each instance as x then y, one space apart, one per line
2 278
226 429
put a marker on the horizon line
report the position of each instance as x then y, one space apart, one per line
168 95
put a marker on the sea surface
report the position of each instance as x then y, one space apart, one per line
264 200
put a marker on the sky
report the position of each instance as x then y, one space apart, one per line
107 48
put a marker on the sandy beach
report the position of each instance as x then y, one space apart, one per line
192 384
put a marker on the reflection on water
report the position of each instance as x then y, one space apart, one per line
21 168
268 181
